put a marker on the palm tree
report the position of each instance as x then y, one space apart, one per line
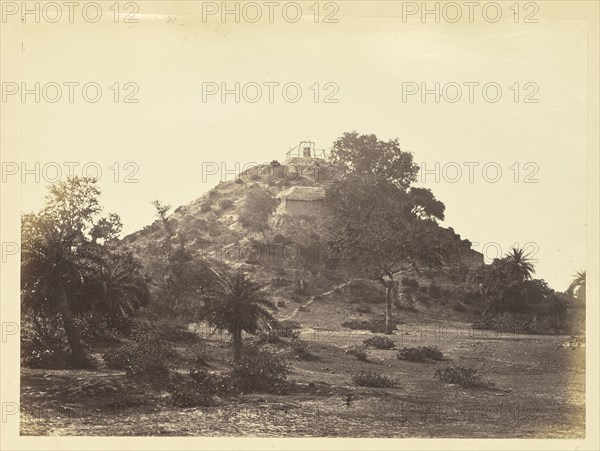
49 275
519 265
237 304
118 285
577 287
496 279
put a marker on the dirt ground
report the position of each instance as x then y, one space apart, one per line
539 392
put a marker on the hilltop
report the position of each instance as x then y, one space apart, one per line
288 253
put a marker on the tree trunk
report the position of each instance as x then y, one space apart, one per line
79 358
389 291
237 345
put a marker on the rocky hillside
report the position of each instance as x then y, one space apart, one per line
214 218
286 252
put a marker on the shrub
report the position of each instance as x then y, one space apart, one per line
258 368
375 325
256 209
44 343
465 377
280 239
379 342
358 351
509 323
289 324
285 331
458 307
410 284
300 348
281 303
186 396
362 309
165 329
368 379
420 354
225 204
206 206
214 230
211 383
279 282
145 357
435 291
272 333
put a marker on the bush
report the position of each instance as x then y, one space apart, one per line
410 284
420 354
44 343
280 239
211 383
258 368
281 303
289 324
375 325
256 209
509 323
165 329
358 351
279 282
300 348
379 342
274 332
206 206
186 396
465 377
458 307
368 379
435 291
225 204
145 357
362 309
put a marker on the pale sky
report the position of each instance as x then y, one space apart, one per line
171 132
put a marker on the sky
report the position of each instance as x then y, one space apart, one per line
368 61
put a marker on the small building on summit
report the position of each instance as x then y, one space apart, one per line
302 201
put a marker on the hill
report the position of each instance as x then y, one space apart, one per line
287 251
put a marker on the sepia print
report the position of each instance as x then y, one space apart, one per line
287 220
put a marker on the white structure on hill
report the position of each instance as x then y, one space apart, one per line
302 201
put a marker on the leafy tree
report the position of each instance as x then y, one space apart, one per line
375 227
256 209
182 277
66 251
236 304
366 155
379 221
577 288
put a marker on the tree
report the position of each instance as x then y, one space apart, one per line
379 221
518 265
366 155
67 249
236 304
182 276
502 277
256 209
577 288
119 286
374 226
